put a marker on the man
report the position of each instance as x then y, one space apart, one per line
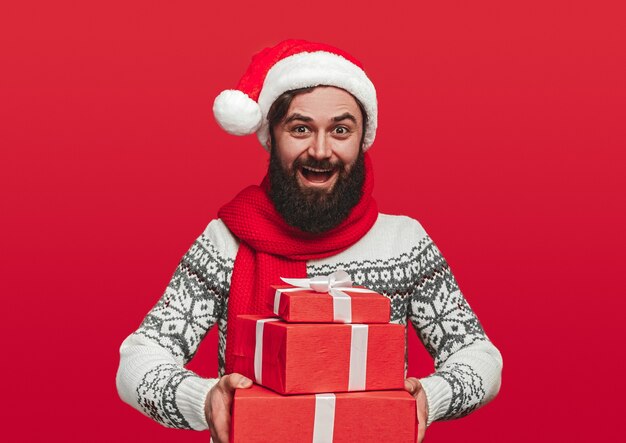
315 110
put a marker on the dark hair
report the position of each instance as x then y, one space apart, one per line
279 109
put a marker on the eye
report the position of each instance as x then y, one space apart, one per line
300 129
341 130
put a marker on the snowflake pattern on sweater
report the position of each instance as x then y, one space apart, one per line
192 303
157 391
417 280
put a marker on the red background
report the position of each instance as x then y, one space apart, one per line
501 129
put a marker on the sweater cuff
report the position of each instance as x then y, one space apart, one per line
438 396
190 399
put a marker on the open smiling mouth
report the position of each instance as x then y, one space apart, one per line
317 175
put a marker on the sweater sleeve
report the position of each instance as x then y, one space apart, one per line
467 365
151 376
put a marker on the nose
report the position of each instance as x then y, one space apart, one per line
320 147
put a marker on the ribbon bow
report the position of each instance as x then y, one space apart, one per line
336 284
322 283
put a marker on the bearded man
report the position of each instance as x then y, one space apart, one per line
315 110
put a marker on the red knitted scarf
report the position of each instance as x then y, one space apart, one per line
269 249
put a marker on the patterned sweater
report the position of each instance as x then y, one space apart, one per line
396 258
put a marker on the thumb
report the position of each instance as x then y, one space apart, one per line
235 381
412 385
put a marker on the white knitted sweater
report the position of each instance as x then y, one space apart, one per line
396 258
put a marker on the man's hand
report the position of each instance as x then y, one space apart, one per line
414 387
218 405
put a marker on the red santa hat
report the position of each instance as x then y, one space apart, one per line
292 64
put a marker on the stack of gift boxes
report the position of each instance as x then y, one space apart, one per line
334 366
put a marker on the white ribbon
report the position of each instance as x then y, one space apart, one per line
324 422
342 303
358 358
258 349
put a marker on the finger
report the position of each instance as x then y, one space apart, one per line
213 434
408 386
422 413
222 427
213 413
212 430
421 432
412 385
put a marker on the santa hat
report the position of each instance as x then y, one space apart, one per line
292 64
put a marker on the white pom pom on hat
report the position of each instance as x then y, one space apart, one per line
237 113
292 64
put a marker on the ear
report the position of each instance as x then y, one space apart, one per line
268 142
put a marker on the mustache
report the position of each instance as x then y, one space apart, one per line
318 164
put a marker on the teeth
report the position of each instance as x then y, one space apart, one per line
317 170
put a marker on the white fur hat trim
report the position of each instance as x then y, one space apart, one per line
315 69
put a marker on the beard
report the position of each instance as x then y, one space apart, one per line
315 210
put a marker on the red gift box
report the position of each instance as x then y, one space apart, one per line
260 415
308 358
340 305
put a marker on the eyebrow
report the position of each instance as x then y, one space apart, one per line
304 118
344 116
297 116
